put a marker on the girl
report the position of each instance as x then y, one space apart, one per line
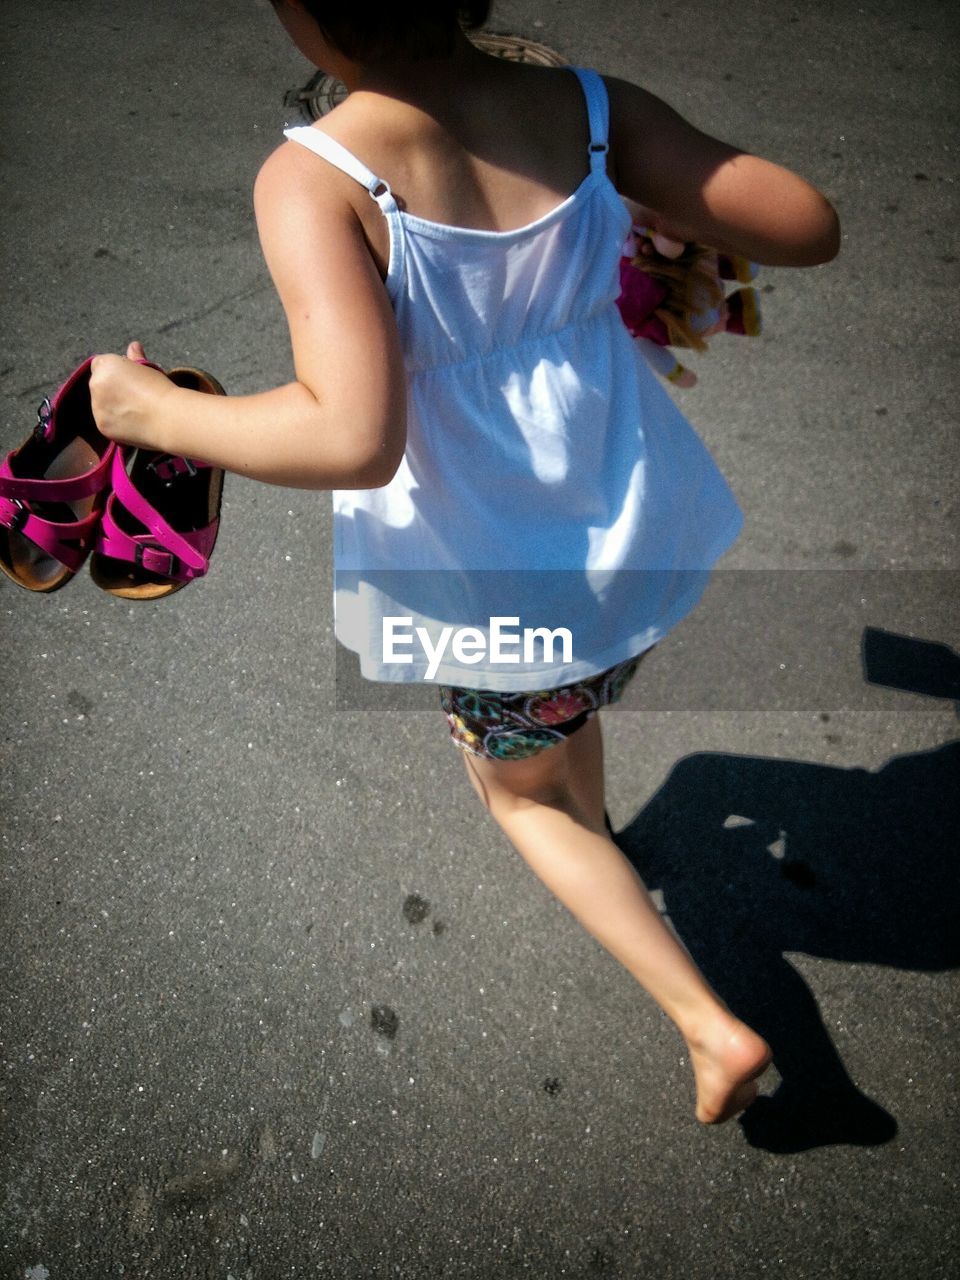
445 244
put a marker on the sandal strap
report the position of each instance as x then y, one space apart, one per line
147 551
67 541
67 489
162 549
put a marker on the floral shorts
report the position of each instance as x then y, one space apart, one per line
513 726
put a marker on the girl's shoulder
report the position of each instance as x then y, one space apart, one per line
299 196
290 172
495 151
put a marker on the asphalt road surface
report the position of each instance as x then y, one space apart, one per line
278 999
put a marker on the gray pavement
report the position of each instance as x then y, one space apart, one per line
278 1000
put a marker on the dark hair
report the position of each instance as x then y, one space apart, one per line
366 29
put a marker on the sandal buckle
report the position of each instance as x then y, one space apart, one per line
138 554
44 416
19 518
167 469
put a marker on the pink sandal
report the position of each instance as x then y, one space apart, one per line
161 520
52 490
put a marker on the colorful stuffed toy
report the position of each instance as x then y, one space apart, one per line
673 295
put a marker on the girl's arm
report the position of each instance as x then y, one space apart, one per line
700 189
342 423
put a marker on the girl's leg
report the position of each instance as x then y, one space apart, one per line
584 767
551 808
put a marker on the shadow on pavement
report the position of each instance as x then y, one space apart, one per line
758 857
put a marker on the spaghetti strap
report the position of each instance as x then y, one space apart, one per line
598 111
335 153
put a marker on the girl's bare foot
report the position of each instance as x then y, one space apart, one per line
727 1057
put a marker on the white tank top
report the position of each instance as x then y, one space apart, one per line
548 478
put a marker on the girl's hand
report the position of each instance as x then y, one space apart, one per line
125 396
670 242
